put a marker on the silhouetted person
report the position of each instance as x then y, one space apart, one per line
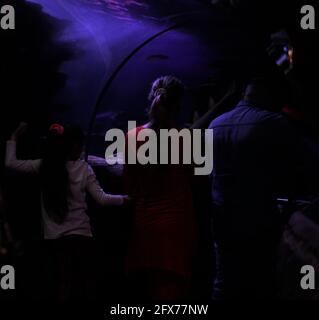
65 181
163 236
258 157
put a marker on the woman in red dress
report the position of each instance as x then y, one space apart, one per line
163 237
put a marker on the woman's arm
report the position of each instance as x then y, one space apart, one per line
11 161
94 189
22 166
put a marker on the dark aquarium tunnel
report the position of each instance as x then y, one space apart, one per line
91 63
119 47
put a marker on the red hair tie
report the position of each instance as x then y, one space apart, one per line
57 128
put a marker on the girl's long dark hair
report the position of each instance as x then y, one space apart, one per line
54 174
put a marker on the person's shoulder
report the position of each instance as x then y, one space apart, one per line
246 113
265 115
275 121
261 113
223 119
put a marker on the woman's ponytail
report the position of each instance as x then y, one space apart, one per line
158 108
165 97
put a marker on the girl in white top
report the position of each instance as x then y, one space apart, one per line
65 181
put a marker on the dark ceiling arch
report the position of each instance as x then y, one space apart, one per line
118 69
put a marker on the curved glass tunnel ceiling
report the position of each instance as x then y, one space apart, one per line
103 33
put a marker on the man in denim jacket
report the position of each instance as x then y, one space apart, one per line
259 156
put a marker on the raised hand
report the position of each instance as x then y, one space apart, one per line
20 131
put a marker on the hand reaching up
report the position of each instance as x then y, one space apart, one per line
20 131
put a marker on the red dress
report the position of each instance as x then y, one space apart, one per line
164 233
